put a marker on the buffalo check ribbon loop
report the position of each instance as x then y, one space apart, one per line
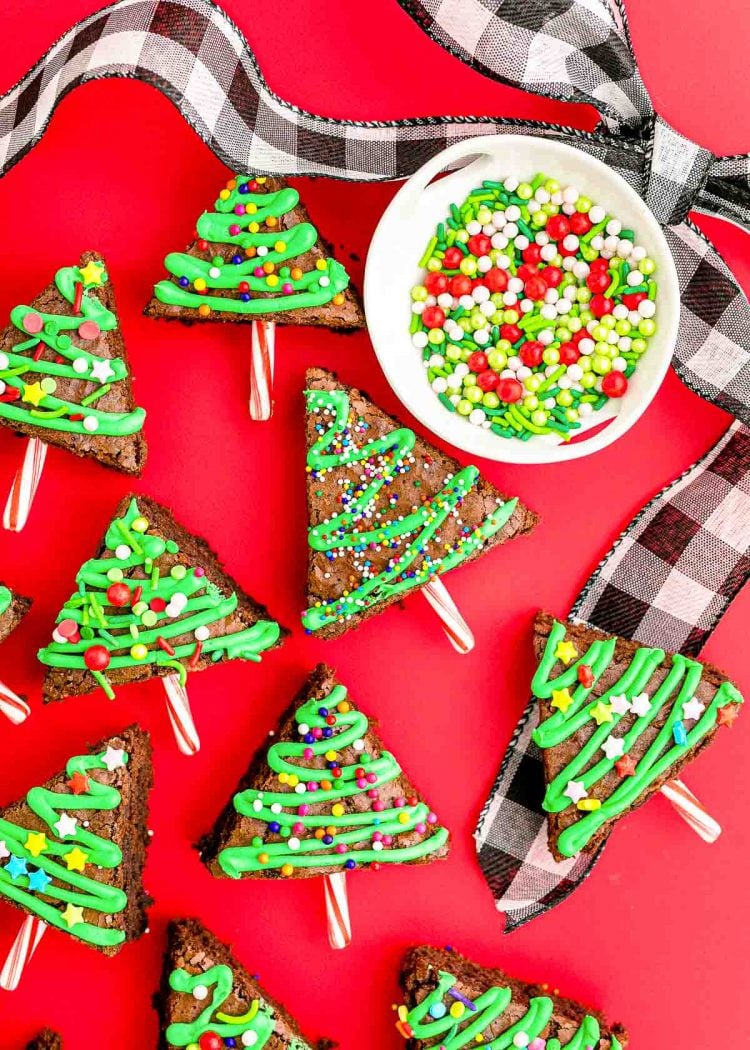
673 571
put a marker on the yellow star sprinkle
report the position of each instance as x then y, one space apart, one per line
561 699
76 859
36 843
566 652
92 273
72 915
33 393
601 713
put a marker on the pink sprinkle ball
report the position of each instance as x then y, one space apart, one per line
377 836
371 778
298 828
399 803
318 733
313 785
287 288
308 752
234 229
341 848
432 818
421 828
33 323
303 811
372 793
387 840
259 272
199 571
239 209
378 806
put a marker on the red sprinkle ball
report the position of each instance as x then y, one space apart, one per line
534 308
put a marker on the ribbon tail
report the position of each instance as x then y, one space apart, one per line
712 356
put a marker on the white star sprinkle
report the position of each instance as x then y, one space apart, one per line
4 851
620 704
641 704
113 758
66 825
613 747
102 370
575 791
693 709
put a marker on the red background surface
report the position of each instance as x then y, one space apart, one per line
657 936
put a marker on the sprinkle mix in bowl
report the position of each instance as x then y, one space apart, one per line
534 309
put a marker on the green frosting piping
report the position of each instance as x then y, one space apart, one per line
590 764
354 830
451 1033
336 448
214 227
119 628
71 887
219 980
54 413
6 598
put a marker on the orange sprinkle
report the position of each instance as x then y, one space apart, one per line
232 184
250 252
204 310
338 299
268 267
296 273
272 221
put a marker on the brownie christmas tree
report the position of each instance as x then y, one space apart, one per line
451 1003
64 371
324 796
13 608
387 510
46 1040
72 851
618 719
154 600
257 256
209 1000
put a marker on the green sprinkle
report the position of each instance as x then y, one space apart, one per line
104 683
595 229
627 235
652 290
415 323
96 395
447 402
428 252
525 230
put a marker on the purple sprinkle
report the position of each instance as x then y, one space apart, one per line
462 999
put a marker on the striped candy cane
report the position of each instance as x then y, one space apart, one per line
454 625
27 940
261 369
691 810
180 715
337 910
24 486
12 706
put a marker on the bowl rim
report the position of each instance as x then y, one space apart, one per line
430 412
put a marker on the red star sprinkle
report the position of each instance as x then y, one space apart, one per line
79 784
585 676
626 766
727 716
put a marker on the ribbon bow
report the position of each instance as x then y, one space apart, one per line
674 570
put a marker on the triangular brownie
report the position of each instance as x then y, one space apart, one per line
387 510
256 257
73 850
323 796
618 719
65 374
13 608
154 600
452 1002
46 1040
209 999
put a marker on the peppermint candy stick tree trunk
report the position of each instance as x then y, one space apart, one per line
258 259
13 608
65 381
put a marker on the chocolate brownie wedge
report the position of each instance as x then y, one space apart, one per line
324 796
387 510
257 257
155 600
206 992
74 848
13 608
618 719
64 359
452 1002
46 1040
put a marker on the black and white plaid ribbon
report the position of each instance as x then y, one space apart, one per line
672 573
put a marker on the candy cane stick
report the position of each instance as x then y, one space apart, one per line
180 715
454 625
12 706
27 940
691 810
261 369
337 910
24 486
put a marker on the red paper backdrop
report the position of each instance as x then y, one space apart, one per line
657 937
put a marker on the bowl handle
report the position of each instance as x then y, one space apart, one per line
412 190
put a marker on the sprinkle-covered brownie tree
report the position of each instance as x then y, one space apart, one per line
65 380
257 258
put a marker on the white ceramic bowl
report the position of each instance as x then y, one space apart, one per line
392 269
